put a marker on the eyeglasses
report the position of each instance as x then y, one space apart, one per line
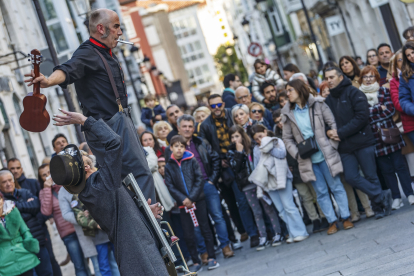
368 77
213 106
257 111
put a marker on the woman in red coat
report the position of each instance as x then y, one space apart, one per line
395 66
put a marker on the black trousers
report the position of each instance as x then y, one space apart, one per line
228 195
188 228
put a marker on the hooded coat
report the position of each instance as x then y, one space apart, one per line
292 136
270 76
17 245
351 112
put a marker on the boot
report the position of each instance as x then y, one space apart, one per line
254 241
227 252
316 226
332 228
244 237
204 258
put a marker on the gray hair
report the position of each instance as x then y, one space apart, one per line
100 16
185 117
4 172
237 107
298 76
203 109
337 70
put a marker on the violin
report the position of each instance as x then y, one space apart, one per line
35 117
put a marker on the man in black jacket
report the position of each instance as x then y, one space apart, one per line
357 144
215 129
14 165
29 207
173 112
209 162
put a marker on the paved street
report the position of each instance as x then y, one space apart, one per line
373 247
383 247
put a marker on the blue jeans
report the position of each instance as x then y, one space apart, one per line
323 180
95 264
76 255
369 184
288 212
244 208
213 201
45 266
112 262
103 259
395 163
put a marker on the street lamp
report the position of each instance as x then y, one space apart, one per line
147 62
229 50
245 23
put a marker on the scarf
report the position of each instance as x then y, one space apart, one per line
371 91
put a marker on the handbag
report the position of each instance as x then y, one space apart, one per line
389 135
309 146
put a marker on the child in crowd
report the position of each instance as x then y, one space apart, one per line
264 73
161 166
272 174
282 98
185 182
153 112
241 162
161 131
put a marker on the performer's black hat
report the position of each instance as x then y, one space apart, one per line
67 169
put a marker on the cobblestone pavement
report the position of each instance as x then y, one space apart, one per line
371 248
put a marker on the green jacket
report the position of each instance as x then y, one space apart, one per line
17 245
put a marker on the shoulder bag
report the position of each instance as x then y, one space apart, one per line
309 146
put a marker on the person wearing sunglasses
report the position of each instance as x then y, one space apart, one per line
215 129
257 112
240 114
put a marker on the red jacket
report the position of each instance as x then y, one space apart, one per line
49 205
407 120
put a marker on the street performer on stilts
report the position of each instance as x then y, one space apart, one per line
111 135
102 99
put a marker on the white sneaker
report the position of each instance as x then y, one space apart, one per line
290 240
411 199
300 238
397 204
262 244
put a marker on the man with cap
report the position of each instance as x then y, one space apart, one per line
109 202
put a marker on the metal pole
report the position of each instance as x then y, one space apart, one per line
279 56
313 37
346 28
130 78
68 99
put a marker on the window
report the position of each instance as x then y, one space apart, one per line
58 37
48 9
184 27
130 28
192 51
200 75
197 45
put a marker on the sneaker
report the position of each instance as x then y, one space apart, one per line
386 202
348 224
316 226
213 264
290 240
300 238
332 228
196 268
254 241
236 245
379 215
262 244
411 199
324 224
244 237
277 240
369 213
355 217
397 204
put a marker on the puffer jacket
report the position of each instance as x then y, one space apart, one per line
147 114
351 111
240 165
210 158
29 212
184 179
407 120
17 245
292 136
406 94
270 76
49 204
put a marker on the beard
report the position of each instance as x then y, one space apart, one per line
107 32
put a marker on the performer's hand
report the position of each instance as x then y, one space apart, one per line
69 118
157 209
44 82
